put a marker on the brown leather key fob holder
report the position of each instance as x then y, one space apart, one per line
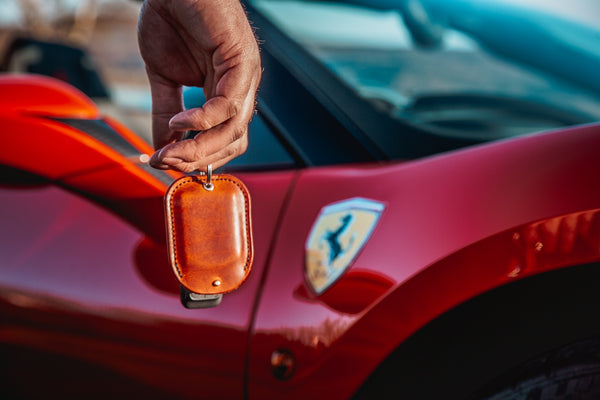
209 233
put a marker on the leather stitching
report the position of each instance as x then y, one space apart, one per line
171 223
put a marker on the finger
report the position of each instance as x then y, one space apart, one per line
214 112
217 159
167 100
208 142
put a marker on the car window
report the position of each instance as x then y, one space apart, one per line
469 69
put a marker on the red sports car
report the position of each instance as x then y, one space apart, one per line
425 181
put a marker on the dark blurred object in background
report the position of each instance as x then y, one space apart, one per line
58 60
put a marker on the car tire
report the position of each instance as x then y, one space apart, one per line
571 372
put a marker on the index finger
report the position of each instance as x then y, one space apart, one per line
205 144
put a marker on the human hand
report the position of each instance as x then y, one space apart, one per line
202 43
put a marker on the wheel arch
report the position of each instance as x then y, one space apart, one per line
475 342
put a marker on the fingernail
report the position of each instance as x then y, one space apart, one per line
177 125
172 160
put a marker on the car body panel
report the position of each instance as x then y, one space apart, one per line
437 211
39 95
79 282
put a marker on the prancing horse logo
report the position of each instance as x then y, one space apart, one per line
338 234
332 238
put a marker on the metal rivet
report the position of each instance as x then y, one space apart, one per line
283 364
216 282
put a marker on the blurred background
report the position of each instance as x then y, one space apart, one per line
90 43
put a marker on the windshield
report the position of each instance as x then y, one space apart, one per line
462 68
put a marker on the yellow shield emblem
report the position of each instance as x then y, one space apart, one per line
338 234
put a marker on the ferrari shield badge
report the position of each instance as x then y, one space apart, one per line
337 235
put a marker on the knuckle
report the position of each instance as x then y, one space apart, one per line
185 167
230 151
198 150
232 109
199 153
238 133
201 122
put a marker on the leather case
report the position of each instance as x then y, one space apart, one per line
209 233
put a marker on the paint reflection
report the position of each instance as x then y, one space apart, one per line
560 241
354 292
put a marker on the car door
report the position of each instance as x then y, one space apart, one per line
88 303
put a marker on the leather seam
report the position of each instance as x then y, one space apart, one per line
172 225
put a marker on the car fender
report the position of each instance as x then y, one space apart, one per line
436 208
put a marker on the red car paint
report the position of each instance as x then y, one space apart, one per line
446 217
85 275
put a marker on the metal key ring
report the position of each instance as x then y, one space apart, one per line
208 185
